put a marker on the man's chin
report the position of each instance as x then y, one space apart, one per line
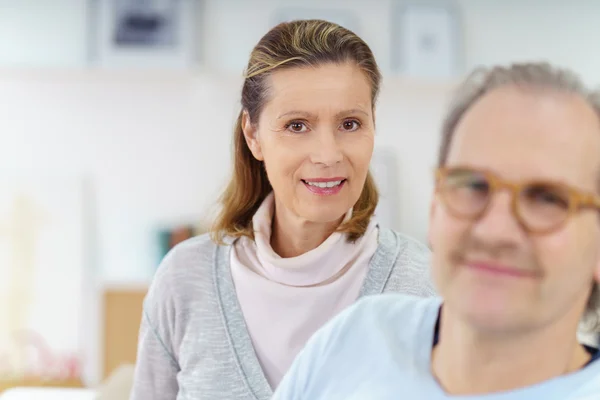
491 313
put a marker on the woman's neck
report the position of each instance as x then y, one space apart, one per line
292 236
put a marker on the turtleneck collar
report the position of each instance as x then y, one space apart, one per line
319 266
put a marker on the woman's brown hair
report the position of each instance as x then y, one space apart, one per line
304 43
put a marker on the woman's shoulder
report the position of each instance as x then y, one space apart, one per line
187 259
411 270
185 275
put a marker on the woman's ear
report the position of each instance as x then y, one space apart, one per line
251 136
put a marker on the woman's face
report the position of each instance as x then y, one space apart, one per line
315 135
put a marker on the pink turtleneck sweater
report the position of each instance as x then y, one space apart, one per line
280 314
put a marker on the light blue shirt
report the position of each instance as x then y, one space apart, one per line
380 349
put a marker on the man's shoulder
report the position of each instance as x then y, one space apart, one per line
358 351
590 385
387 308
392 315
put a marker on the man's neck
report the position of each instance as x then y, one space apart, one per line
467 362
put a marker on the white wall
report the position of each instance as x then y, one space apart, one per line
157 148
495 31
49 33
144 137
55 32
562 32
236 25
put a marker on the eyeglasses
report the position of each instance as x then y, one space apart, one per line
539 206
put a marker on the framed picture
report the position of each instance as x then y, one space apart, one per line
342 17
427 40
143 33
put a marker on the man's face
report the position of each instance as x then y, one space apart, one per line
490 270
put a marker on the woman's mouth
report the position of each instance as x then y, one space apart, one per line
324 187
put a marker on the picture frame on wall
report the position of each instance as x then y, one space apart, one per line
427 39
147 34
342 17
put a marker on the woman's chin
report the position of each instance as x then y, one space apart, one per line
324 215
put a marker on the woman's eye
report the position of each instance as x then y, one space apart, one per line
297 127
350 125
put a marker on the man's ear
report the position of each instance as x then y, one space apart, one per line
251 135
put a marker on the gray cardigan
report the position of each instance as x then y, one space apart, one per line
193 341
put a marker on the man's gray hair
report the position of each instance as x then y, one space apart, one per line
529 76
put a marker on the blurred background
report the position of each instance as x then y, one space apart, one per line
115 141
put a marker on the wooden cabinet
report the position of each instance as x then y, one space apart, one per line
122 316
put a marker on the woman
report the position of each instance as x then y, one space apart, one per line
295 242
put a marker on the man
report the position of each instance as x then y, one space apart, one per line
515 233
